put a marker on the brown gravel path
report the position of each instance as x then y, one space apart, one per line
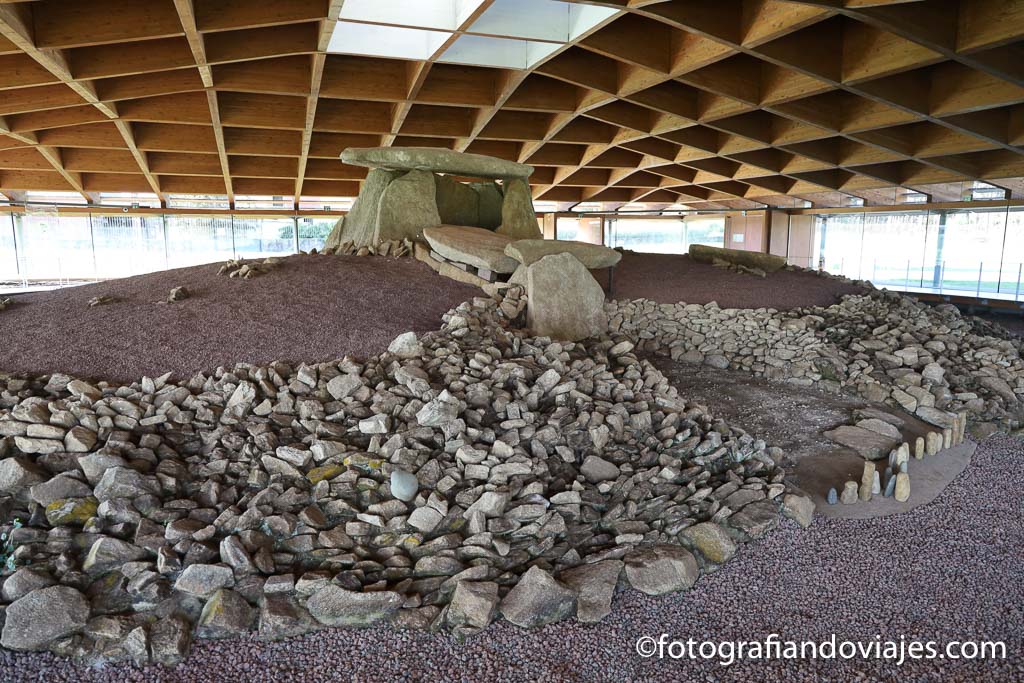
668 279
311 308
946 571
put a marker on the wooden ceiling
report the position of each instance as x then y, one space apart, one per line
710 103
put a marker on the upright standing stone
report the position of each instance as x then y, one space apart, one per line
457 203
849 496
489 202
867 480
407 207
902 489
933 443
564 300
890 487
832 498
919 447
360 225
876 485
947 438
518 217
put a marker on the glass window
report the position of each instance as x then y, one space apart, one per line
666 235
128 245
8 250
313 232
53 247
193 240
262 237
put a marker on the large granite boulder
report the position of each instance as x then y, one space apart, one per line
490 202
518 217
36 620
769 263
565 301
435 160
457 203
334 606
476 246
360 225
590 255
407 207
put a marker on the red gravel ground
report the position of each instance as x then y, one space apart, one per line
311 308
669 279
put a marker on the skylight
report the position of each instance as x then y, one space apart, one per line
130 199
513 34
54 197
197 201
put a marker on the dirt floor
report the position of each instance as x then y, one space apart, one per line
668 279
1013 323
311 308
794 419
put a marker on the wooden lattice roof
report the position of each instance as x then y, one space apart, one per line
717 103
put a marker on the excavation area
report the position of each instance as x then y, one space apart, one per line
355 466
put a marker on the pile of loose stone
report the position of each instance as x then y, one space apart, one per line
738 268
930 361
396 247
102 300
471 473
247 269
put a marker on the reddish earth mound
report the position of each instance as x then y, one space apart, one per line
668 279
311 308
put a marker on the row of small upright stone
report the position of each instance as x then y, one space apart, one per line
894 481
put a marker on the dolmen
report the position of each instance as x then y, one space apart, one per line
410 189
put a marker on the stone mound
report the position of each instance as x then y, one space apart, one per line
887 348
467 474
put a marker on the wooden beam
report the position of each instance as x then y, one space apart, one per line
318 62
187 17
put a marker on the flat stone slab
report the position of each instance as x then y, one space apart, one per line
590 255
870 445
436 160
474 246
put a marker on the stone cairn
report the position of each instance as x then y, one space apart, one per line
470 474
396 248
247 269
929 361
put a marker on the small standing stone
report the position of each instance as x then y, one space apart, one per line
919 448
890 487
832 498
902 489
876 485
932 443
947 438
849 496
867 480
